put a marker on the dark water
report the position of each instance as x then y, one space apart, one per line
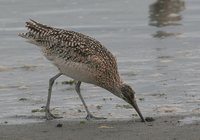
156 43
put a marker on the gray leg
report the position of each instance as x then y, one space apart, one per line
48 114
89 115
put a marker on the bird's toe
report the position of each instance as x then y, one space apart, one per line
50 116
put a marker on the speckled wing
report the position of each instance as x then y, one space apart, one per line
68 45
71 46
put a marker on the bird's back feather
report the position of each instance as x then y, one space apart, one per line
73 47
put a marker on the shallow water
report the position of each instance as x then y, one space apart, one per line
156 44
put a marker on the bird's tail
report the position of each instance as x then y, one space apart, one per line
36 31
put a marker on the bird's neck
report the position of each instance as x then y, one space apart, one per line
115 89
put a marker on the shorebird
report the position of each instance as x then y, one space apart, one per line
82 58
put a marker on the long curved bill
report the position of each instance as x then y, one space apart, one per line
135 106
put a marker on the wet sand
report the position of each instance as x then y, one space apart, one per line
163 128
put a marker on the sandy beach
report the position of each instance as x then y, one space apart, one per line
163 128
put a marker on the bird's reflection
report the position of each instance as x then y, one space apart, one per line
164 34
165 13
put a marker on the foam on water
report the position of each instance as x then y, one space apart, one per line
190 120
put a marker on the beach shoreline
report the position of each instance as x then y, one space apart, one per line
163 128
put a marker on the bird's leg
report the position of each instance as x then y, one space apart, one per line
48 114
89 115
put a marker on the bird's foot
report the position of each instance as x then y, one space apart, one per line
91 117
50 116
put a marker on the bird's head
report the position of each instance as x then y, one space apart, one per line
128 95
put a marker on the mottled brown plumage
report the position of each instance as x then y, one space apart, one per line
78 48
80 57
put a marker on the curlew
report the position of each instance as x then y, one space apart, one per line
82 58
